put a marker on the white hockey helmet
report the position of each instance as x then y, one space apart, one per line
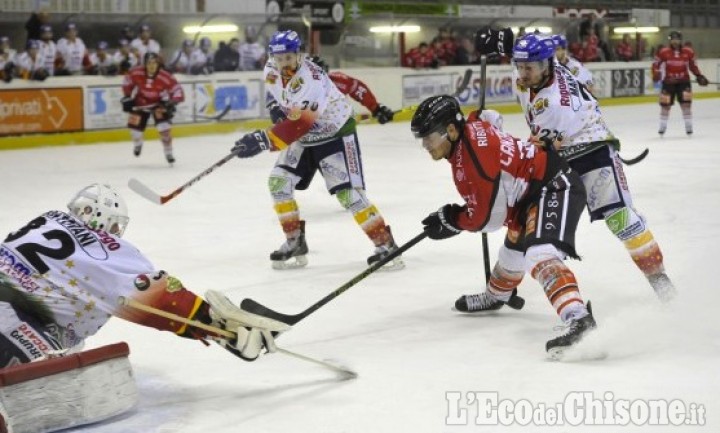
100 207
492 117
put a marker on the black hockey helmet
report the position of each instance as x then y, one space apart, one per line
675 35
151 56
434 115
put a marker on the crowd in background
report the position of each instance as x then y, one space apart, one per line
43 55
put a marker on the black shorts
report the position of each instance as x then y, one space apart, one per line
138 119
670 91
553 216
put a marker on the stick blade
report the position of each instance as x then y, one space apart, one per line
253 307
633 161
142 190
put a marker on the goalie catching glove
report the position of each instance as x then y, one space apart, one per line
490 41
253 332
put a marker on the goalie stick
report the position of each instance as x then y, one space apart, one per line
254 307
129 302
145 192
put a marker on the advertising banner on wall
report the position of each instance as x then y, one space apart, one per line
628 82
498 87
416 88
25 111
243 98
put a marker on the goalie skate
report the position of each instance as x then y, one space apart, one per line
291 254
225 310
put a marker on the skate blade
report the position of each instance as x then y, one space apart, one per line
395 265
576 354
299 262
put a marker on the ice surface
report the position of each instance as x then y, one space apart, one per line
397 329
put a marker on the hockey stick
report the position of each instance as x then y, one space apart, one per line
253 307
129 302
485 245
216 117
633 161
144 191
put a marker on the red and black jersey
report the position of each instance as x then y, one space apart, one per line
671 65
354 88
151 90
497 175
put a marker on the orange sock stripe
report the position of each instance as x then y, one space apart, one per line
502 281
559 284
560 292
566 303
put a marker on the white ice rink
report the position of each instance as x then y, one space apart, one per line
397 329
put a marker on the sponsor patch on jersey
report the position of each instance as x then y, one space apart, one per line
294 114
142 282
271 78
295 85
173 285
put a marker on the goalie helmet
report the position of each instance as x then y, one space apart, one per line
434 115
100 207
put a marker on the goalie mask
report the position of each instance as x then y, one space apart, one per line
101 208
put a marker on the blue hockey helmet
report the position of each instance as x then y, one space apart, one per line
560 41
285 41
533 48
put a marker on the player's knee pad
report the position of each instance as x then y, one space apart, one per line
281 184
511 260
541 253
163 127
625 223
686 96
665 99
353 199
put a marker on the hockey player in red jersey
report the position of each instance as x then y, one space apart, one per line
150 90
62 274
508 182
671 66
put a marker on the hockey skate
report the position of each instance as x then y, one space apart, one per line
137 149
293 248
661 131
575 330
664 288
383 251
170 158
486 302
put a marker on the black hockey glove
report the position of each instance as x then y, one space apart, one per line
383 114
127 104
490 41
701 80
321 63
170 109
443 223
277 115
251 144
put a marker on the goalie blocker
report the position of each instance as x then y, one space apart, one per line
59 393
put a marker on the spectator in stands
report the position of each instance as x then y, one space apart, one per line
7 60
252 54
624 50
48 49
124 58
71 51
181 58
127 33
227 57
203 58
466 53
35 22
145 43
100 62
439 51
421 56
590 48
29 63
521 32
449 44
